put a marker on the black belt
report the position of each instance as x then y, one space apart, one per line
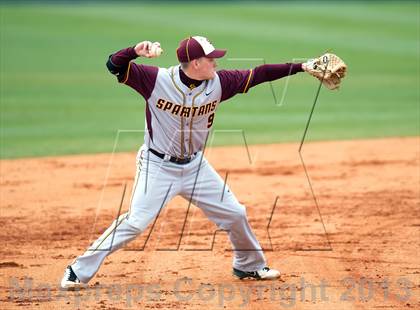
176 160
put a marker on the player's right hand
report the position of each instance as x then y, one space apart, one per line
147 49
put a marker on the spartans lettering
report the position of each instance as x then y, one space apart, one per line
177 109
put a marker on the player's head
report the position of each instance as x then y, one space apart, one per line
198 56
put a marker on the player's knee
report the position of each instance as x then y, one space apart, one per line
239 213
135 225
138 224
140 217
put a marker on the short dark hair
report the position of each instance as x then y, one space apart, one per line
184 65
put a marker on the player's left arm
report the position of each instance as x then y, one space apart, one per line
240 81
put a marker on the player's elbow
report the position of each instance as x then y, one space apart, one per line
118 71
111 66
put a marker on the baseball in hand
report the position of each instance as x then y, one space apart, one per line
155 50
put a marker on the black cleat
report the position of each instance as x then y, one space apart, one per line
263 274
70 280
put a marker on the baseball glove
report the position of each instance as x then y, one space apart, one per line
328 68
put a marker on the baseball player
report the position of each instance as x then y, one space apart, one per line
180 106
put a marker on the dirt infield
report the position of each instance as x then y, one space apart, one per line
368 194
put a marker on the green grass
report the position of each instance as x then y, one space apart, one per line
58 98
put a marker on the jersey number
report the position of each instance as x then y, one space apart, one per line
210 120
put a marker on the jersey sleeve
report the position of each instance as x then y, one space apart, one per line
141 78
240 81
234 82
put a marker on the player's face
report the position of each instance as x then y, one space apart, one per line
207 68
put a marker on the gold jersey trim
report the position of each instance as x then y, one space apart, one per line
127 73
182 118
247 82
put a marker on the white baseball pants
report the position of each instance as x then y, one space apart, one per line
157 182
